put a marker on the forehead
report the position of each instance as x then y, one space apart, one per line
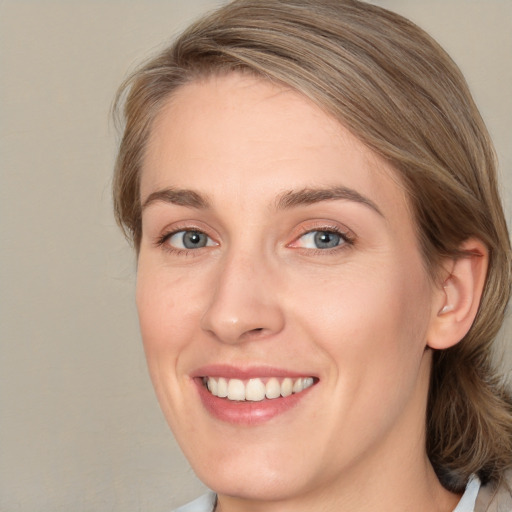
258 137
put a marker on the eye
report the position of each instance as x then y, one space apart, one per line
320 239
186 240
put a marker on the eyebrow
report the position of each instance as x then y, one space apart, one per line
307 196
287 200
180 197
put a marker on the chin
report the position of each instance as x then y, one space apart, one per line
264 470
254 482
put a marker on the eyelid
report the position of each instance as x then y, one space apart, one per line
347 235
173 229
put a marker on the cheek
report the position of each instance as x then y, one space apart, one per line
166 323
373 318
150 299
163 317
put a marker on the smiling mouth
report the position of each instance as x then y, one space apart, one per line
256 389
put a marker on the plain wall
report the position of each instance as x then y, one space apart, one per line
80 429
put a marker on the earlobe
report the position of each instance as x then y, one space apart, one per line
459 297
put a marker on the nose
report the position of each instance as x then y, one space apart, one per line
244 304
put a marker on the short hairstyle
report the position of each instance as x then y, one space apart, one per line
398 91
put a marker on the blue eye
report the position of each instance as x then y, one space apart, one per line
321 240
186 240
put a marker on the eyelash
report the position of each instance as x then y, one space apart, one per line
347 238
162 240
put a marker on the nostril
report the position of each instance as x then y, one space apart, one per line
254 333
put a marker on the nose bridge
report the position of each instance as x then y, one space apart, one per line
243 303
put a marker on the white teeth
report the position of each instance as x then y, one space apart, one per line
222 388
298 386
213 387
287 387
255 390
236 389
273 388
307 382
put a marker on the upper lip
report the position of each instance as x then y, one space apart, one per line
246 372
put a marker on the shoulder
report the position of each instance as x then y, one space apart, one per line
204 503
496 496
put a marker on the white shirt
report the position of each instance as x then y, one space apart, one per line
204 503
468 500
466 504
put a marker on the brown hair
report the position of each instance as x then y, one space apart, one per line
394 87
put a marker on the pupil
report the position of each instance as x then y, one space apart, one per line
193 239
326 240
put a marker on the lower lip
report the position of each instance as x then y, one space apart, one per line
247 412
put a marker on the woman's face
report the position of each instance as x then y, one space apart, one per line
279 255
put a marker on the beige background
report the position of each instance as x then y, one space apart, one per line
80 429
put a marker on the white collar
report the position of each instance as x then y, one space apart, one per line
468 500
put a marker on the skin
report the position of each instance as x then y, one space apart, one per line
358 316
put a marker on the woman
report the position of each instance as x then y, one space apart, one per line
323 261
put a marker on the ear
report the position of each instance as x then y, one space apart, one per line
457 299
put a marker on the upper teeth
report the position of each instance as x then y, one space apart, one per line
255 389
